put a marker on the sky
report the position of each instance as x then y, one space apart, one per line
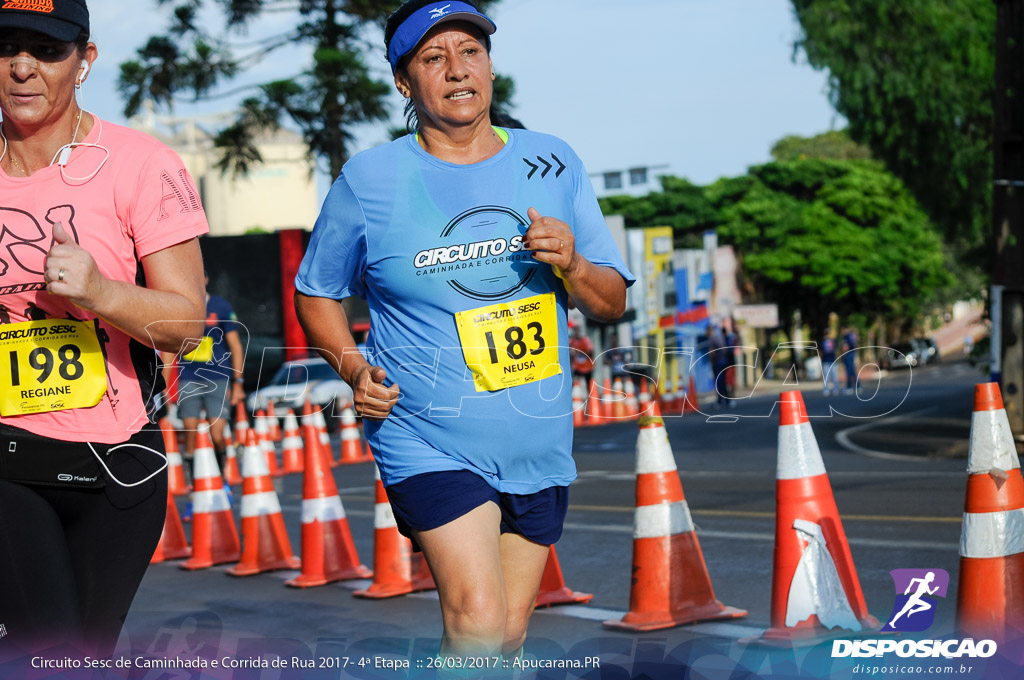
704 87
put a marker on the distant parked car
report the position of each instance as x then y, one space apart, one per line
901 355
296 381
927 351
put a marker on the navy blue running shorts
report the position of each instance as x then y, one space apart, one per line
432 499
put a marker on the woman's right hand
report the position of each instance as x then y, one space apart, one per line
373 399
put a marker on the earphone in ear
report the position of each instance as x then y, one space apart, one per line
85 70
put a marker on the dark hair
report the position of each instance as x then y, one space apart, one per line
81 42
412 121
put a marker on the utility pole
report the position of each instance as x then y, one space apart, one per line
1008 211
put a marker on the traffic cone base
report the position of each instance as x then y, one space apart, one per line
410 571
552 586
987 580
687 586
259 553
173 545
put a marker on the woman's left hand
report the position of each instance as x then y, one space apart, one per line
71 272
551 241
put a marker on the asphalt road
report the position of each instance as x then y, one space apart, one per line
896 459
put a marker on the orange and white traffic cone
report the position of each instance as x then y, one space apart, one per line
292 445
262 430
578 399
990 597
214 534
325 439
241 423
352 450
311 435
644 399
176 484
607 401
265 545
632 404
593 405
173 545
814 582
619 401
328 551
689 401
552 586
273 426
397 570
686 397
668 396
670 583
232 473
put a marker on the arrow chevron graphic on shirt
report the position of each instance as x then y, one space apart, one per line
533 168
547 167
561 165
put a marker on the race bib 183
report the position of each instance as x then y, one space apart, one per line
510 343
50 365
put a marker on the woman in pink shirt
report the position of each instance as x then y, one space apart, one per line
99 267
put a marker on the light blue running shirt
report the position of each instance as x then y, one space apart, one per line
422 240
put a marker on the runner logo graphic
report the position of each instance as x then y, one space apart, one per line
916 590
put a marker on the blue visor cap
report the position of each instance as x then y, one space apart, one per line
412 30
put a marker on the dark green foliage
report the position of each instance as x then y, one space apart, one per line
823 236
813 235
834 144
914 78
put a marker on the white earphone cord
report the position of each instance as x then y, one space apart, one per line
138 446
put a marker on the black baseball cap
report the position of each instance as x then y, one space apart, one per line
62 20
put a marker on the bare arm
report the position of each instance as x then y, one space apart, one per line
168 310
326 326
599 292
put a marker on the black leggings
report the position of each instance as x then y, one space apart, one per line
72 559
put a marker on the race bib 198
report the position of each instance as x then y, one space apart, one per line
510 343
50 365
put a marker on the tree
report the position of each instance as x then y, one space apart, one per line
915 81
680 204
816 235
823 236
835 144
334 93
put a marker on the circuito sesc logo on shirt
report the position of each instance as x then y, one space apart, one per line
481 254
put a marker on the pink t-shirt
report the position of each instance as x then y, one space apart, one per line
141 200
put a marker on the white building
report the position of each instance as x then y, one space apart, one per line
279 193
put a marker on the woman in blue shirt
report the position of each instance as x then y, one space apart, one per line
468 242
